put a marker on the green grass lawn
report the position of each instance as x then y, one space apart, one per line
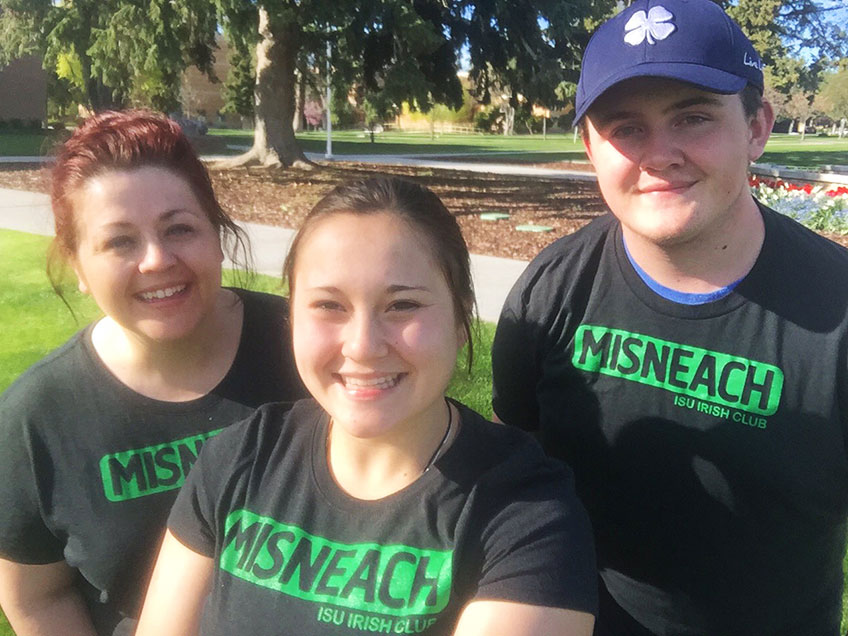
782 149
28 143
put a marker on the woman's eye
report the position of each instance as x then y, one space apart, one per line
180 229
329 305
404 305
118 243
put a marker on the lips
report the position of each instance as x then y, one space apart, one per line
162 293
665 186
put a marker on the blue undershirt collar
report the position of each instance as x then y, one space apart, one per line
683 298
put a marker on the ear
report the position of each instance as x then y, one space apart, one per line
81 284
759 127
584 137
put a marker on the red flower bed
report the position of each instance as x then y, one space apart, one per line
776 184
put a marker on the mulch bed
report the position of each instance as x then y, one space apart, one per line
283 197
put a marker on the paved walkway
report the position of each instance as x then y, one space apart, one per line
493 276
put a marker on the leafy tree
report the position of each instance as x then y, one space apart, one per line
833 97
314 113
527 47
405 51
781 27
238 86
799 107
126 50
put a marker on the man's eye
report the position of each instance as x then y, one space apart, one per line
624 132
694 120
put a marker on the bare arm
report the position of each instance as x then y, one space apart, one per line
179 585
502 618
42 599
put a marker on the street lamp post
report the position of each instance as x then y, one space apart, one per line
329 153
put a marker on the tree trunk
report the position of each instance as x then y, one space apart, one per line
274 143
299 123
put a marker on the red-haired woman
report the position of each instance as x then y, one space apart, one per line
96 438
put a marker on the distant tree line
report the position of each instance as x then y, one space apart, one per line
384 54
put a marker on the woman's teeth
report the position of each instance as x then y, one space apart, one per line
162 293
385 382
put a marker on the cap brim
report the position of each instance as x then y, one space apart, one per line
707 78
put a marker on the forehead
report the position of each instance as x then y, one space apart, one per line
137 196
654 95
381 244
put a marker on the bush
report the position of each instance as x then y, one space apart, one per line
488 120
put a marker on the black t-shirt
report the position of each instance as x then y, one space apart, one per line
708 442
492 519
89 468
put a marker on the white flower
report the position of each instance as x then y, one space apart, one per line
653 26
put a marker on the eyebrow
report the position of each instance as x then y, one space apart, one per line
392 289
698 100
167 216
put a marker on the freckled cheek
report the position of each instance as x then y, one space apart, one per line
426 340
314 344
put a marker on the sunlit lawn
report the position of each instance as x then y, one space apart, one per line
782 149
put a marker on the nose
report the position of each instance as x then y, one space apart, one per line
660 151
156 256
364 338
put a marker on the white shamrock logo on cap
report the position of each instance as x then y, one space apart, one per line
651 26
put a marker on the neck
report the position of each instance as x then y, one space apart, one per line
174 370
708 262
373 468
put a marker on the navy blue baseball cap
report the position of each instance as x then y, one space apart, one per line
692 41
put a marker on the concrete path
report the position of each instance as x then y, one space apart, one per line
493 276
444 161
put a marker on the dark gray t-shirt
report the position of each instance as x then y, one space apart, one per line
89 468
708 442
492 519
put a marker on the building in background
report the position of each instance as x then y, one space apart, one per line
23 93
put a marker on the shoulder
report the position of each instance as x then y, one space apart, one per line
261 301
784 233
562 264
54 377
496 453
798 272
576 247
271 427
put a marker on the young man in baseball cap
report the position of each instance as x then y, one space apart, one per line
687 355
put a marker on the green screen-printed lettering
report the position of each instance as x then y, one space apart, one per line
395 580
712 376
146 471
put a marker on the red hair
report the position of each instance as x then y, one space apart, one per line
127 140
